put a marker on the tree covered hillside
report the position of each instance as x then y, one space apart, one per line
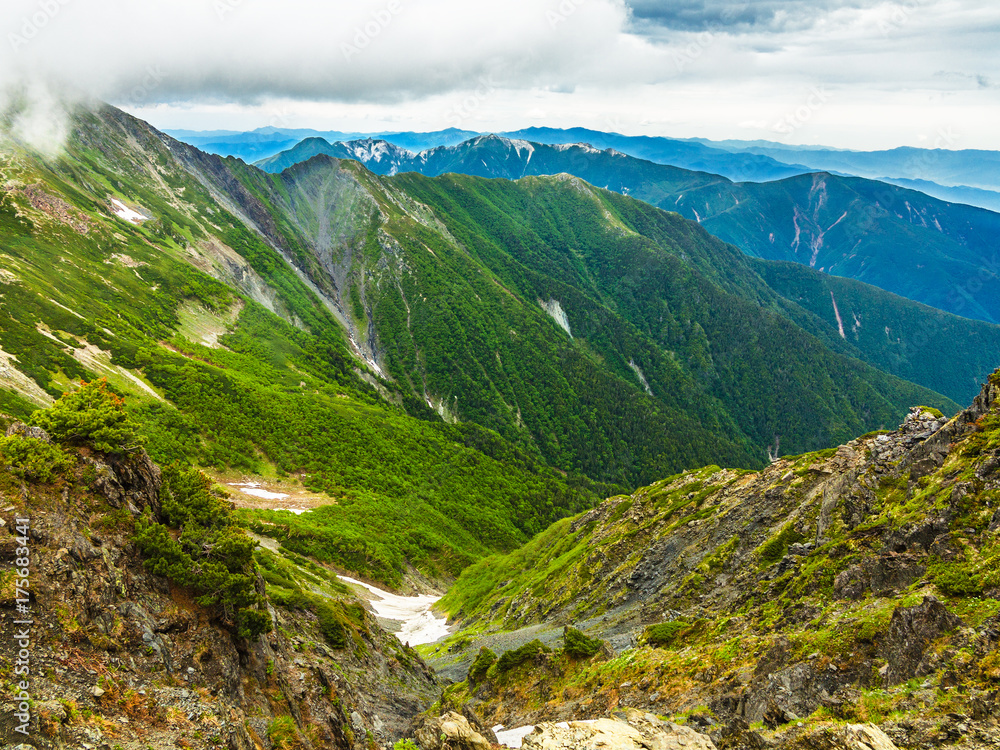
246 371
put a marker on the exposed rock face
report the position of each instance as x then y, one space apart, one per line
910 632
850 737
131 479
880 576
638 731
785 585
34 433
449 732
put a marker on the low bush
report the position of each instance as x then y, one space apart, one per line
91 415
484 660
213 556
34 460
511 659
665 634
579 645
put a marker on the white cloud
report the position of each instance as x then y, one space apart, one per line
690 67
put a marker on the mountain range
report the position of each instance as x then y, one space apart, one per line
958 176
938 253
543 323
650 468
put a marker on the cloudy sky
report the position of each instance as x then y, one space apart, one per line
846 73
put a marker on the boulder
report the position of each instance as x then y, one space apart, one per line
20 429
911 630
449 732
881 575
850 737
129 478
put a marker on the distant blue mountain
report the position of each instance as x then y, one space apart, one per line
971 177
969 168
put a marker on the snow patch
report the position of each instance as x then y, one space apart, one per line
419 624
556 312
585 147
254 489
124 212
375 150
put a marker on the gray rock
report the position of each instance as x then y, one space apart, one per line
20 429
911 631
880 575
449 732
633 731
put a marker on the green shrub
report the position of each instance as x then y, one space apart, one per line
331 625
665 634
484 660
955 580
91 415
213 556
517 657
578 645
776 547
405 745
34 460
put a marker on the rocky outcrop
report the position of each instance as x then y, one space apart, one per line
449 732
130 479
850 737
154 669
633 730
911 631
880 576
768 595
19 429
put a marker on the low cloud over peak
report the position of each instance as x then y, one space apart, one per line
690 67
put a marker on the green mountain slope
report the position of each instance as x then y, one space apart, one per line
433 354
220 380
460 303
946 353
942 254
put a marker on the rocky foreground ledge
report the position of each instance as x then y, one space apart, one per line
630 729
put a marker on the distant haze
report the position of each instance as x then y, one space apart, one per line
846 73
